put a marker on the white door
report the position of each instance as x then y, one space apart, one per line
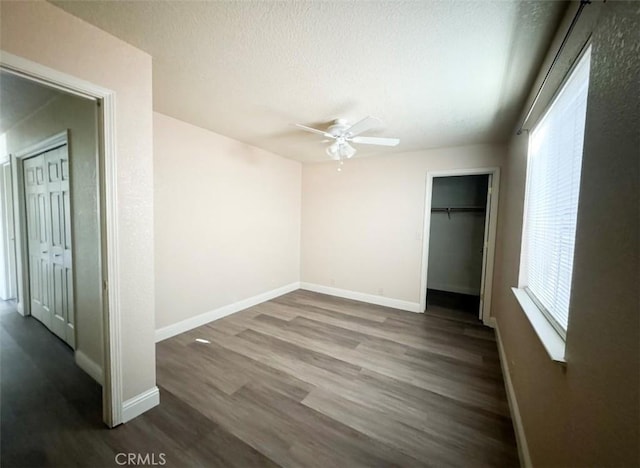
46 182
37 239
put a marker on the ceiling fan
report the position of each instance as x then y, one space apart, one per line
345 133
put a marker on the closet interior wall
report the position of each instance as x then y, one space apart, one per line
456 239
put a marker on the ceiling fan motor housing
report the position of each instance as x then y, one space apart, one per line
338 127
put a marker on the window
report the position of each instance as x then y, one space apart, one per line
551 203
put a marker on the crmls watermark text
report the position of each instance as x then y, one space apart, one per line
138 459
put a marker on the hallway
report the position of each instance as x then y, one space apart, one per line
45 398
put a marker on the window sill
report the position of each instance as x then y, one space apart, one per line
553 343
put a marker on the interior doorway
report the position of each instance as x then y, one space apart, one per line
459 241
52 144
57 137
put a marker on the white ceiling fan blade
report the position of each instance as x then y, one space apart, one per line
376 141
314 130
362 126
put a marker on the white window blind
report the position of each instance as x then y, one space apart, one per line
551 203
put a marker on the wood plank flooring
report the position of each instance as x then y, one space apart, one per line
302 380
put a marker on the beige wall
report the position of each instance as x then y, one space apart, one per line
227 220
588 413
362 227
79 116
42 33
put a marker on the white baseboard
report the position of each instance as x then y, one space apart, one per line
199 320
88 365
521 439
489 322
358 296
137 405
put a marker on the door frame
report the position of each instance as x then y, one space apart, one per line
488 256
112 392
11 276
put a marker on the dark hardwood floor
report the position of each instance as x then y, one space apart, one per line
302 380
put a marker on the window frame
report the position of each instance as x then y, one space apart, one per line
550 331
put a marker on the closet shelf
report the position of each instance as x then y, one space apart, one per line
459 208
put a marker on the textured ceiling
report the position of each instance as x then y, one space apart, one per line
438 73
19 98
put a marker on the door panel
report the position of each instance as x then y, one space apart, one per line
60 245
47 178
37 242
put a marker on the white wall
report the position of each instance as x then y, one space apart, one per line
4 155
43 33
80 118
362 227
456 239
227 220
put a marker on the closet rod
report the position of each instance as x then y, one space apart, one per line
460 208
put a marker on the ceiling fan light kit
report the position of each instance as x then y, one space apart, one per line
344 133
340 150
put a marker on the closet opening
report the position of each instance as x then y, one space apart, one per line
459 242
